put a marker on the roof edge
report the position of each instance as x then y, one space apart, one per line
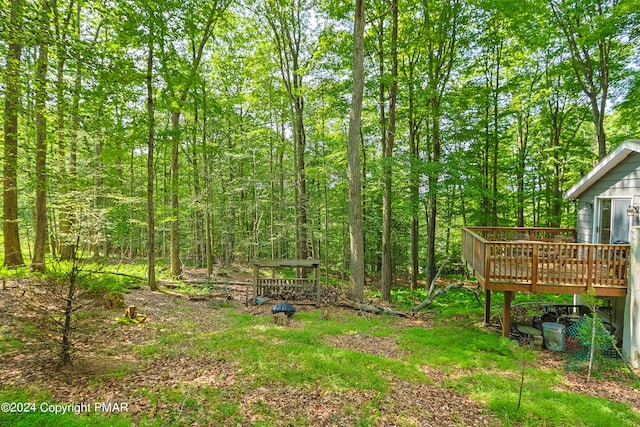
610 161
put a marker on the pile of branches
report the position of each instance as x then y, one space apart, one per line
433 292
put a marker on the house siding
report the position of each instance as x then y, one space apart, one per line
585 219
622 181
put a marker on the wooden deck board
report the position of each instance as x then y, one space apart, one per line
570 278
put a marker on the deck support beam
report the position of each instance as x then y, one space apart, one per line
506 314
487 307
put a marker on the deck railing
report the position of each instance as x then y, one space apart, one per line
543 260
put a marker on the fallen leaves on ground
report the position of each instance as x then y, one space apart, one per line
108 368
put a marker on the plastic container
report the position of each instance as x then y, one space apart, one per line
553 334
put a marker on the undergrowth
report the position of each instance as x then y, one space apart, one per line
304 360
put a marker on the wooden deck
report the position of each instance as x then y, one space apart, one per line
543 260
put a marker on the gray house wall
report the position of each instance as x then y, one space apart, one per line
621 181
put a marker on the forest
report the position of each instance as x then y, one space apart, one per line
215 132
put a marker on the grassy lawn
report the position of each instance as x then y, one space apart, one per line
212 364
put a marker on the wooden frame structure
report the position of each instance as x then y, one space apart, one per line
541 260
287 288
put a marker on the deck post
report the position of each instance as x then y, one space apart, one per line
631 328
316 278
506 314
256 275
487 307
534 268
590 261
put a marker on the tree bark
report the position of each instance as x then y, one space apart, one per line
69 250
12 249
496 134
389 139
151 256
414 176
435 292
301 178
40 242
432 208
441 51
286 25
523 147
369 308
356 229
64 245
198 220
214 13
207 187
176 266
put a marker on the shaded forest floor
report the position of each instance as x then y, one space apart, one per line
149 367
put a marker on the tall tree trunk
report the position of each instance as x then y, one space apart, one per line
99 180
301 178
176 265
556 112
414 174
12 250
63 188
364 200
282 234
356 229
523 144
151 256
496 136
65 246
590 50
382 106
433 180
286 23
389 138
441 51
216 10
273 210
206 186
415 200
40 242
198 222
231 209
70 248
325 194
486 164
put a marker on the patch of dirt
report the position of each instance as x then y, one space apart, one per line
431 405
576 382
325 408
610 390
365 343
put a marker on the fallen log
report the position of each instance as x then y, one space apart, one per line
435 292
215 282
117 273
177 284
204 297
370 308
